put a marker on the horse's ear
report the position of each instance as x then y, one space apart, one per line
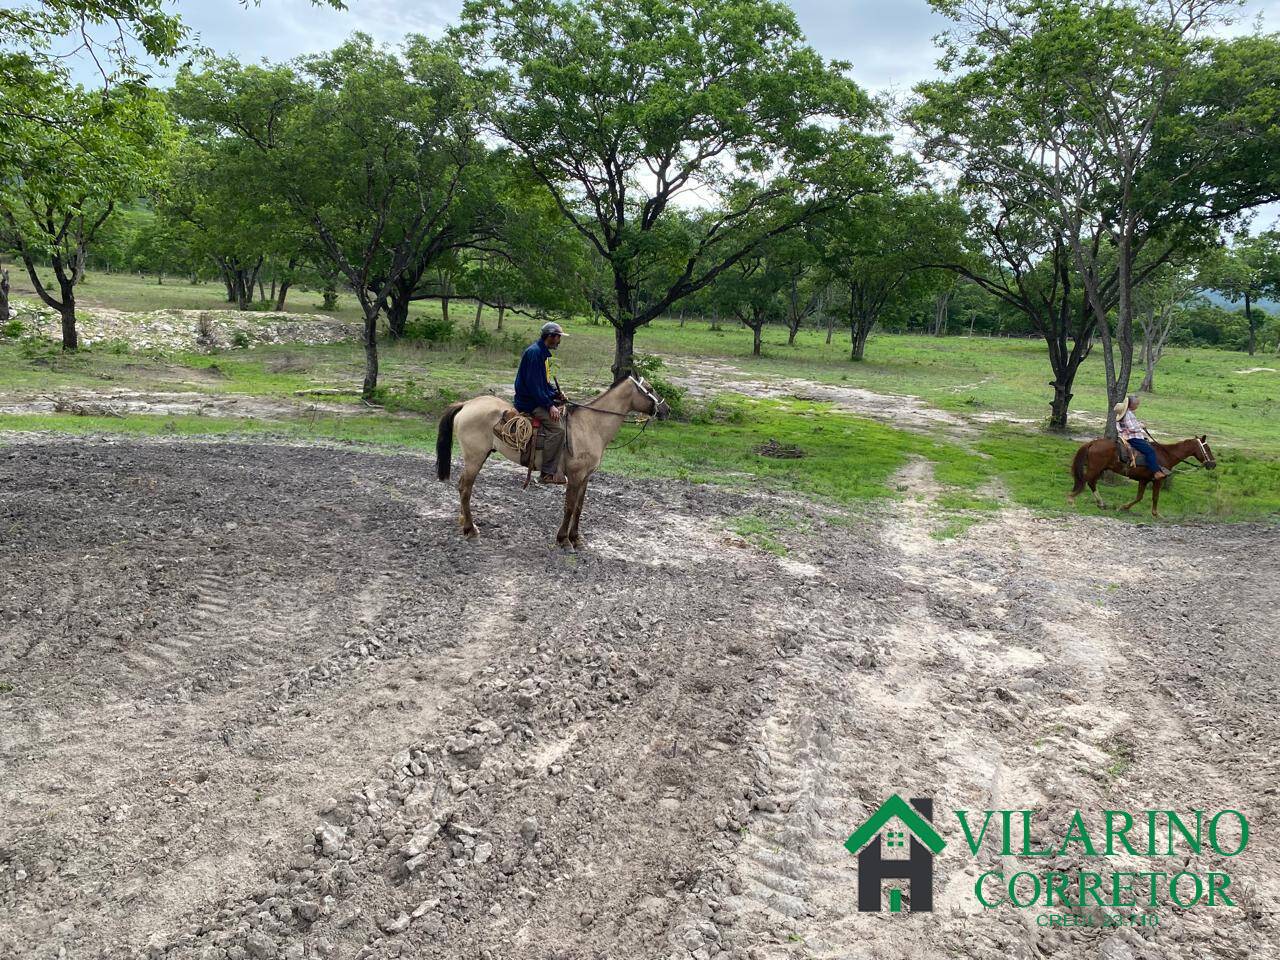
1204 438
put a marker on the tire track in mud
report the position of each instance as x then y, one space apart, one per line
1005 680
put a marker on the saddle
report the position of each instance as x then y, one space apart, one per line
1128 456
523 432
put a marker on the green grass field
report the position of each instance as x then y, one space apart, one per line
846 459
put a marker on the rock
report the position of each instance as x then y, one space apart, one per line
426 906
397 924
330 838
482 853
419 842
259 946
414 864
529 829
1115 949
308 910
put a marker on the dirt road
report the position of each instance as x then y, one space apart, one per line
262 701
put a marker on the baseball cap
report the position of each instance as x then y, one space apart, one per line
551 327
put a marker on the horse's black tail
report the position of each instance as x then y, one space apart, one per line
1077 467
444 441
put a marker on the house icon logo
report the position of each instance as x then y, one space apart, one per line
917 870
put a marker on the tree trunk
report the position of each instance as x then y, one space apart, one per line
860 331
5 316
397 315
273 286
1252 323
370 351
755 339
330 295
502 309
831 327
479 311
1061 402
681 319
284 292
624 336
230 283
70 336
940 309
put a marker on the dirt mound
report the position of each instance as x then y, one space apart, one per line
263 701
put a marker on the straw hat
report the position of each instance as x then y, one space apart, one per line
1120 408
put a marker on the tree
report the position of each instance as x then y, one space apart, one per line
621 107
367 146
1159 305
1249 270
70 186
884 250
752 291
1092 116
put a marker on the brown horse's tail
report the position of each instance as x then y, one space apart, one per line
1078 465
444 441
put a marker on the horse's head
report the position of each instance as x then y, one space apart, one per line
1203 453
644 399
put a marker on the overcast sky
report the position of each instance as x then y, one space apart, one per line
889 42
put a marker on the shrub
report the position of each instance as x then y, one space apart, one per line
13 329
676 396
429 329
240 339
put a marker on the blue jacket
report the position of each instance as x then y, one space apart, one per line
533 379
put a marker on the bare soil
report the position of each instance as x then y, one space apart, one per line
263 701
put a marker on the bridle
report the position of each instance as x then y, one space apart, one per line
649 394
1210 461
639 383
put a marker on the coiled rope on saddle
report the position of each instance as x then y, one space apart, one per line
517 431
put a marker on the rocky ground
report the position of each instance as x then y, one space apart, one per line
263 701
184 329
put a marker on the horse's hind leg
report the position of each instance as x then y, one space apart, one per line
1142 489
1155 497
1097 498
465 483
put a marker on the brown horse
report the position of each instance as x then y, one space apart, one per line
1102 454
589 428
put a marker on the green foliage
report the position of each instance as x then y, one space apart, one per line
677 399
430 330
721 98
12 329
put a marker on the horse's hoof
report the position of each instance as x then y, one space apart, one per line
578 543
562 543
471 533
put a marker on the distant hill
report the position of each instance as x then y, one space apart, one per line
1270 306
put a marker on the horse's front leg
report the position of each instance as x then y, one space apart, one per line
1155 497
1142 489
570 498
574 537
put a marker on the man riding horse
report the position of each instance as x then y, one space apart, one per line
538 396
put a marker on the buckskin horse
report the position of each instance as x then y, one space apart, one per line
1102 454
589 428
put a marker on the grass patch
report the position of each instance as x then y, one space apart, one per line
759 532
